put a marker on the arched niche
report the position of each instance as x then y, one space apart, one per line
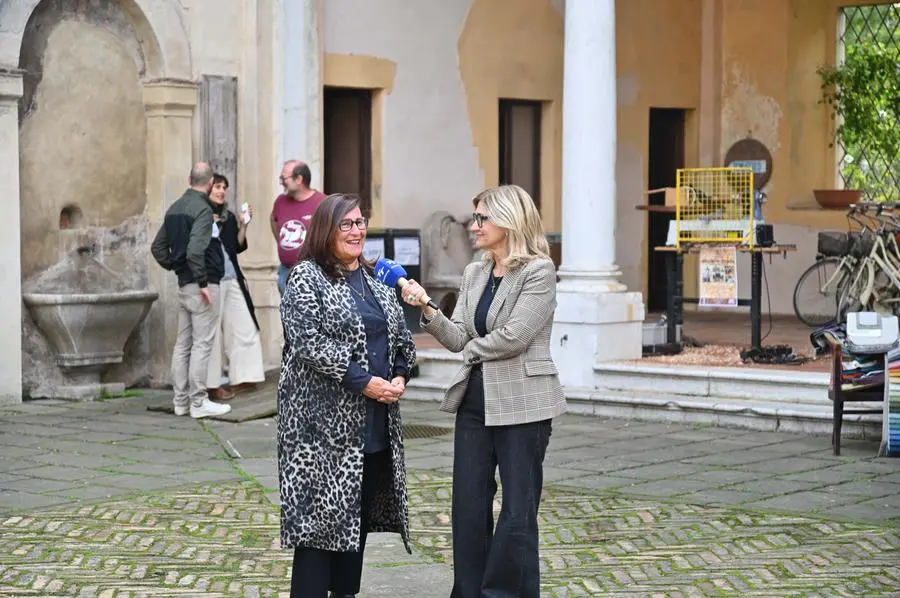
168 94
159 25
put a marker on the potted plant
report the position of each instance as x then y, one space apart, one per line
863 94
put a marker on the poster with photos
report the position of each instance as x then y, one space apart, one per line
718 277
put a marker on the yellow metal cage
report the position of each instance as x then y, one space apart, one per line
714 205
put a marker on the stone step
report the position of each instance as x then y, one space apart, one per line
694 381
438 364
732 397
753 414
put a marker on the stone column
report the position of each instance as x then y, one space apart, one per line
711 83
302 85
288 71
11 264
170 108
596 319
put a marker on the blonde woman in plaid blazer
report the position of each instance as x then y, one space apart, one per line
504 396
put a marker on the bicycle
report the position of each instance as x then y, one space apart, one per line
853 270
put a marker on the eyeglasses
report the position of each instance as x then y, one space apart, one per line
346 224
479 218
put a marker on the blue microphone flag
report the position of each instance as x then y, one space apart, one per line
389 272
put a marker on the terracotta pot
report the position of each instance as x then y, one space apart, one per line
837 199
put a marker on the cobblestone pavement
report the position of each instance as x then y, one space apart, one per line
106 499
601 545
208 540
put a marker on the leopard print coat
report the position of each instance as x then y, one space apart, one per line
321 425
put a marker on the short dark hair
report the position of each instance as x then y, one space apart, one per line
322 231
301 171
220 178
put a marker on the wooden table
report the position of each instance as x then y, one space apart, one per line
657 209
675 281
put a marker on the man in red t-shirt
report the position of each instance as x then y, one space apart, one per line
291 214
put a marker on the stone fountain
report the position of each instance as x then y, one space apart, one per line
87 313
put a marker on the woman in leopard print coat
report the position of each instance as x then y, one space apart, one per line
346 356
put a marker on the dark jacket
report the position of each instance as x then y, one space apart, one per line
229 239
185 242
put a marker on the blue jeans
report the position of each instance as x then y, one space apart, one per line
501 562
283 272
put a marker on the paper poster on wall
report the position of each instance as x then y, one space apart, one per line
718 277
406 251
373 249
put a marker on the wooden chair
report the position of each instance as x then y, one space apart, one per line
839 396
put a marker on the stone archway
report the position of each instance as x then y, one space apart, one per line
169 100
159 23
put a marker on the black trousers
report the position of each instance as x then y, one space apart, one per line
315 572
501 562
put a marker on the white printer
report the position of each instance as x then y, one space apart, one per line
871 332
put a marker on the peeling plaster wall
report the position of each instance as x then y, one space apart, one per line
746 110
82 127
82 135
770 91
84 141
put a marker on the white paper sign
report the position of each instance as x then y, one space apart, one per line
373 249
406 251
718 277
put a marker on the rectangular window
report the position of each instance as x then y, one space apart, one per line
348 143
520 145
868 151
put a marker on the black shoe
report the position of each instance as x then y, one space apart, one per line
333 595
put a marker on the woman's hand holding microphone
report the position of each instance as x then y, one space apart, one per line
414 295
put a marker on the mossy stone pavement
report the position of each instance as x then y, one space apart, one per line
110 499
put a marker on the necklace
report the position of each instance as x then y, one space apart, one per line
494 282
362 294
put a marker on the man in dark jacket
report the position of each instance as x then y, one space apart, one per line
188 243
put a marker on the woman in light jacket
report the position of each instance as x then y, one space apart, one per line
237 331
504 396
346 358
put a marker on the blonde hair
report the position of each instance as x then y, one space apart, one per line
511 208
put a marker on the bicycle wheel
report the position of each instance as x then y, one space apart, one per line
885 296
816 296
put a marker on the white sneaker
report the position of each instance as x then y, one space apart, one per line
208 408
182 409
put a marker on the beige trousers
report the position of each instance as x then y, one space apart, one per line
196 331
237 335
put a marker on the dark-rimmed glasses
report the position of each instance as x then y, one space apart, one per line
346 224
479 218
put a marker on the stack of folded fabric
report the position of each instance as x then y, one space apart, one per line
866 372
861 371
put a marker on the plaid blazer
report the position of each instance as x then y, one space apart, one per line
521 383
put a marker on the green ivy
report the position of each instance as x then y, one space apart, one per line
865 93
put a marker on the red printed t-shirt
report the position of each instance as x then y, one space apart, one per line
292 218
